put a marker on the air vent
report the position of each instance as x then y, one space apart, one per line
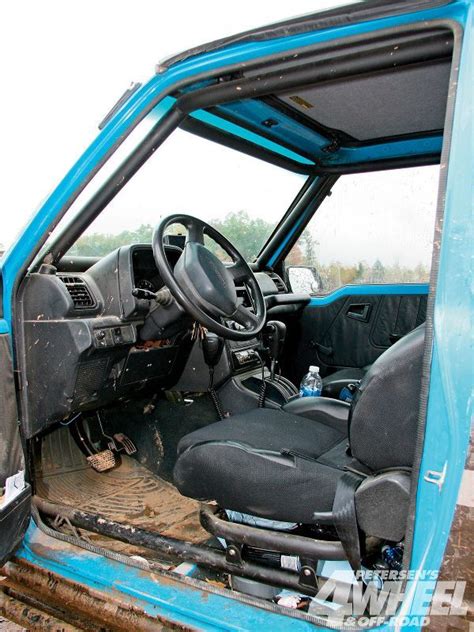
79 292
281 287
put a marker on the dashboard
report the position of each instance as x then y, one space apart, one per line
82 343
144 271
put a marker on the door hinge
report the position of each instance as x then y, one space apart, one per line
437 478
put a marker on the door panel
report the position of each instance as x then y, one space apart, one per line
397 316
353 330
14 504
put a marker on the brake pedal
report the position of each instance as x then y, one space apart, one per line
102 461
125 442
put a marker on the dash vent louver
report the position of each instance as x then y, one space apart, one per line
79 292
281 287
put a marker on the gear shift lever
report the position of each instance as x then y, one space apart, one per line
274 336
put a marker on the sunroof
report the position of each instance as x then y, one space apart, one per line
407 100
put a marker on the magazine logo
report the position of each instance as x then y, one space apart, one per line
378 596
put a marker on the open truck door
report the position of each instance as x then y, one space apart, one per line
15 492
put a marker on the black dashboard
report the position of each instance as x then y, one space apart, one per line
82 345
144 270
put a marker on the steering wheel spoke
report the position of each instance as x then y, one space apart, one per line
245 317
195 232
238 271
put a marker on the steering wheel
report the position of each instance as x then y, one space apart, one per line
203 286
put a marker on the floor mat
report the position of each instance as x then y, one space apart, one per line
129 494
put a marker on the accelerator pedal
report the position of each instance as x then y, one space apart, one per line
125 443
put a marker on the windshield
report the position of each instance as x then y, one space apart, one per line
241 196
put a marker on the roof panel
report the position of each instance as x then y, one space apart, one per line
408 100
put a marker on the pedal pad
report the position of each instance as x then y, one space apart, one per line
125 442
102 461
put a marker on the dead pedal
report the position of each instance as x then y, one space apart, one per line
102 461
125 442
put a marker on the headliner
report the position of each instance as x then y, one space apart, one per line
385 112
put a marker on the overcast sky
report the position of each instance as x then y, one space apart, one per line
66 63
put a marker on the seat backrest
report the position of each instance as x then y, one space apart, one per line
384 416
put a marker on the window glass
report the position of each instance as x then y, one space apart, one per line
241 196
374 228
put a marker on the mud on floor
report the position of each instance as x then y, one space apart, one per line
129 494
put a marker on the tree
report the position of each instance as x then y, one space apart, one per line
246 233
309 248
378 272
100 244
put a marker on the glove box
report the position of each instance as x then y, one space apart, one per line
148 364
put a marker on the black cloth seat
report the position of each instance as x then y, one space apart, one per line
267 463
281 466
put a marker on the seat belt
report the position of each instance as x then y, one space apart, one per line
345 517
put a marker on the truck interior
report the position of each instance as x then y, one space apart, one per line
159 396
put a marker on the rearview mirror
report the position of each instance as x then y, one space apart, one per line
304 279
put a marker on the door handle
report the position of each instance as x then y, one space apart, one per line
322 348
359 311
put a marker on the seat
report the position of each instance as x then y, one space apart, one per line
284 466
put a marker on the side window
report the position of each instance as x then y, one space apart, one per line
375 228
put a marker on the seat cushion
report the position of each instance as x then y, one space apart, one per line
267 463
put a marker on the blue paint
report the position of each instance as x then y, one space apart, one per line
451 372
394 149
288 130
4 327
157 596
286 239
448 422
236 130
370 289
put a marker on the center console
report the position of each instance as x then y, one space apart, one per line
244 355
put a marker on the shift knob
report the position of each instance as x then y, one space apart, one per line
212 347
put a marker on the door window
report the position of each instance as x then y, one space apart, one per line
374 228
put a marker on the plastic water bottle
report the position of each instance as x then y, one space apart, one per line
312 384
